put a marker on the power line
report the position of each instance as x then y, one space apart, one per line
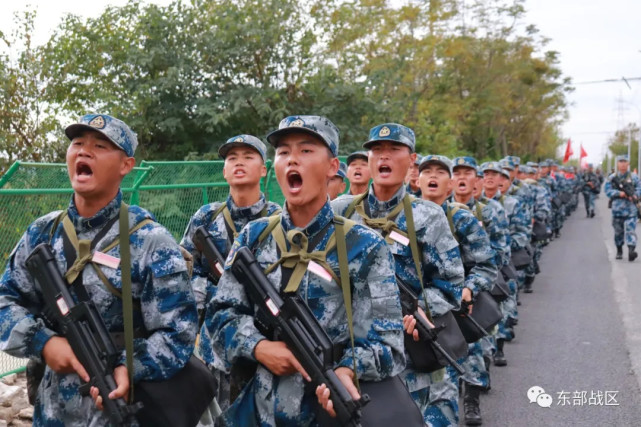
622 79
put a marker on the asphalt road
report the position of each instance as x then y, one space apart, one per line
578 336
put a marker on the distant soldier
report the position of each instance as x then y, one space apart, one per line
624 207
413 187
591 186
244 157
99 156
336 186
358 172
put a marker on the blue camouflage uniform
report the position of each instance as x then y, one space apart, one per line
284 400
624 211
159 283
542 211
589 194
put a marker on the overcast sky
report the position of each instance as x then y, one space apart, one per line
597 40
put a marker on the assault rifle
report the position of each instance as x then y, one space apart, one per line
627 186
84 328
293 322
204 242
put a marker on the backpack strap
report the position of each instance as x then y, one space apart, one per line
355 201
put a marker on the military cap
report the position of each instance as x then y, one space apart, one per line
342 170
507 164
479 172
116 131
527 169
243 141
516 161
436 159
418 159
492 166
622 158
532 164
464 161
357 155
317 126
505 173
391 132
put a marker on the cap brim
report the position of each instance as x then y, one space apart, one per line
224 149
274 136
463 166
353 157
77 129
493 170
423 165
367 145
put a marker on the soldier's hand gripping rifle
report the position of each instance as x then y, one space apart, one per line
409 306
627 186
204 242
293 322
84 329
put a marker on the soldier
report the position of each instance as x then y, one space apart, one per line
624 208
411 180
336 185
549 181
305 160
358 172
98 158
590 188
480 274
495 177
542 213
245 157
389 208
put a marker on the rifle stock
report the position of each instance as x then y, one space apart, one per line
204 242
84 329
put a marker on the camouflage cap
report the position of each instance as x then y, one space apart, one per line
391 132
113 129
244 141
465 161
492 166
532 164
506 173
342 170
527 169
507 164
318 126
551 162
418 159
479 172
516 161
357 155
435 159
622 158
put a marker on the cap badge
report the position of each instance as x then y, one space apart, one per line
239 139
297 123
97 122
384 131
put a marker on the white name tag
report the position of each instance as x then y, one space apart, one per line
106 260
219 268
318 270
399 238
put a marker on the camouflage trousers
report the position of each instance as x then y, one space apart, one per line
510 312
588 198
625 229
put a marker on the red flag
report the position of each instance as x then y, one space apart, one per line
583 153
568 151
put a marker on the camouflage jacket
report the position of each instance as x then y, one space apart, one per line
518 220
159 283
285 400
496 227
622 207
542 206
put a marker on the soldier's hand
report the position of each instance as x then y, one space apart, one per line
346 376
58 355
623 195
276 357
409 324
467 297
122 387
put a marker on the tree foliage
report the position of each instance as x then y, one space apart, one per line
467 77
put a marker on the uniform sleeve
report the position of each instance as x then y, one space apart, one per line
229 319
378 324
519 226
168 309
21 333
478 255
609 190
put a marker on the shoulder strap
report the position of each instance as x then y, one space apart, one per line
56 223
355 201
127 299
341 225
479 210
450 211
273 222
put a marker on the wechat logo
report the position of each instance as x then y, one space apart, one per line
537 395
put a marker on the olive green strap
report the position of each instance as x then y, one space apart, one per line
411 232
273 222
352 206
341 248
127 299
451 210
230 221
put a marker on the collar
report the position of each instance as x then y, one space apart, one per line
246 211
322 218
379 208
497 196
82 224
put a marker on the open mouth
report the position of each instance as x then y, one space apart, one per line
83 170
239 172
358 175
294 180
462 185
432 184
385 170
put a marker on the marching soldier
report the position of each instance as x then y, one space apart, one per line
357 172
413 187
624 207
99 156
336 185
590 188
409 224
305 160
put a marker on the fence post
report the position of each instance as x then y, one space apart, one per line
138 182
7 176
